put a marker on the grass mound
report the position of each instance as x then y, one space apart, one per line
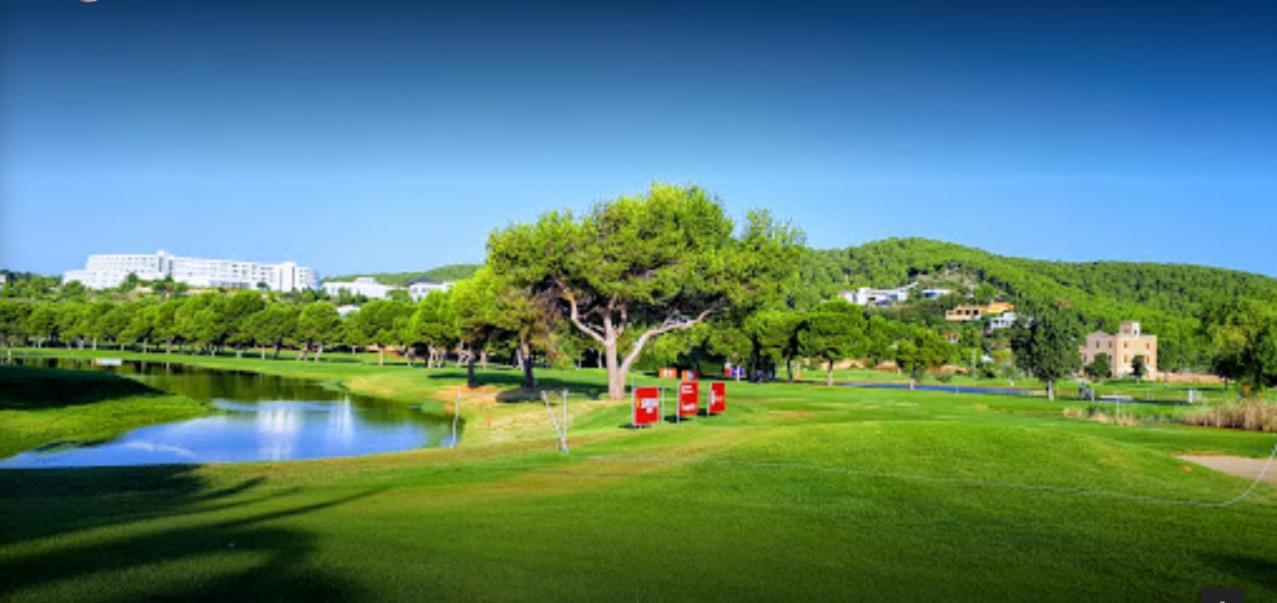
51 406
30 388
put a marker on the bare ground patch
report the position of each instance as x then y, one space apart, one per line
1239 466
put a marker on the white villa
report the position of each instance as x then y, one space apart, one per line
1006 320
103 271
867 296
366 286
423 286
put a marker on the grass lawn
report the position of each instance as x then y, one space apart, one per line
800 492
41 406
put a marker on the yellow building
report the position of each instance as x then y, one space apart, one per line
997 308
1122 348
972 313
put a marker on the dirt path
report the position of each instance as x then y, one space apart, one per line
1236 465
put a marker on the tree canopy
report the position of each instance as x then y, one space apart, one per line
1047 346
654 263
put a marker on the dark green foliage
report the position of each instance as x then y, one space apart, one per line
1047 345
1139 366
1101 367
1242 335
1166 298
921 349
833 332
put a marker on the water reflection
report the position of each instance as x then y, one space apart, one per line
262 418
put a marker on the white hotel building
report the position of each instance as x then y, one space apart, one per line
368 286
103 271
364 285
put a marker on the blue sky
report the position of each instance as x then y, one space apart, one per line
371 136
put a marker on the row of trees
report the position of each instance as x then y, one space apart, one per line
664 276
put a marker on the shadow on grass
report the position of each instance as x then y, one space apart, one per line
245 554
1255 569
30 388
514 381
40 503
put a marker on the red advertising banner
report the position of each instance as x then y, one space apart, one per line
717 398
647 406
689 398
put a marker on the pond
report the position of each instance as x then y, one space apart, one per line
259 418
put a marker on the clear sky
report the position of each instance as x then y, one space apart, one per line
378 136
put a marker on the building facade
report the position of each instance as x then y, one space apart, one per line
104 271
1122 348
866 296
1006 320
969 313
422 287
366 286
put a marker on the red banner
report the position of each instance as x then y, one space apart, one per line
689 398
647 406
717 398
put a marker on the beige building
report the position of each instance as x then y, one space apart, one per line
1122 349
973 313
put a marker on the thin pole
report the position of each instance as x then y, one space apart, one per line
456 414
565 421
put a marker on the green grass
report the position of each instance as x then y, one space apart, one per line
800 492
42 406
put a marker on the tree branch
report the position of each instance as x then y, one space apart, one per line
575 316
671 323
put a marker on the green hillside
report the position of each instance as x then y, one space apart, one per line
449 272
1165 297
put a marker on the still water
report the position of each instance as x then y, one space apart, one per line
259 418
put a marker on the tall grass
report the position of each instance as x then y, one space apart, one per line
1254 415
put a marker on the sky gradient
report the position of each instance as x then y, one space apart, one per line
387 136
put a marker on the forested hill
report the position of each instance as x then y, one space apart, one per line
450 272
1166 297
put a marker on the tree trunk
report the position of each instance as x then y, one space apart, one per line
829 374
789 368
262 351
381 355
1050 390
615 377
319 352
483 359
471 382
95 343
525 356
